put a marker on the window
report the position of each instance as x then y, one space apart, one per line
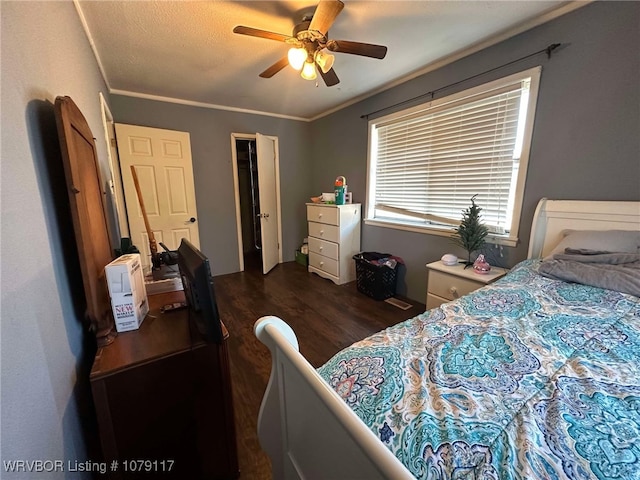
425 163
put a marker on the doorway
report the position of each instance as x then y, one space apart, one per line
249 193
256 175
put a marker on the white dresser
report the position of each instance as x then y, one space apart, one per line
446 283
334 238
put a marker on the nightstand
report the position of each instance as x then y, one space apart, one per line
446 283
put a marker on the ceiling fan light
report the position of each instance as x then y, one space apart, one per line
325 60
297 57
309 71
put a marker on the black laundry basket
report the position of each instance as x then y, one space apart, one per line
375 281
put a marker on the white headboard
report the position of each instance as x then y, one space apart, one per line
552 217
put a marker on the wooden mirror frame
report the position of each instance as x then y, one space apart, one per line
90 224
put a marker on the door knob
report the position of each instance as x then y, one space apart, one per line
192 219
262 215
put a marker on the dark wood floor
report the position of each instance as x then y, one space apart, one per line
326 318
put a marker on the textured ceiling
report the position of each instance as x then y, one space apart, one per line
186 50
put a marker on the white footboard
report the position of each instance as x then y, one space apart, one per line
306 428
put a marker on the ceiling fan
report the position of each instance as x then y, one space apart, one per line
310 45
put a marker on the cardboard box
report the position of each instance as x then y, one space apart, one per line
127 291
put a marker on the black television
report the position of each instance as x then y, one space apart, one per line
198 291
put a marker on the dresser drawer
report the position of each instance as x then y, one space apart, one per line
434 301
450 287
328 215
323 263
324 231
328 249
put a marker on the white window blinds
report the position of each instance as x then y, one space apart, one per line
425 166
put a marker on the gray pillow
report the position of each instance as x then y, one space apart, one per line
618 241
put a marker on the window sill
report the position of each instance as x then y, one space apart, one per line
440 231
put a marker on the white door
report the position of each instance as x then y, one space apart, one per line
162 159
266 155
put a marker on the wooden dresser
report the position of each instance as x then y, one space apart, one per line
163 395
334 238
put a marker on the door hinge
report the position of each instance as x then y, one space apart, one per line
113 143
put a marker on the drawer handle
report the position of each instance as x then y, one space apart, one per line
322 264
321 232
454 291
321 248
319 215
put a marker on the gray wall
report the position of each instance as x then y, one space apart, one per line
586 141
47 413
210 132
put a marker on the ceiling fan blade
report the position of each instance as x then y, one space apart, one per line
275 68
325 15
255 32
357 48
330 78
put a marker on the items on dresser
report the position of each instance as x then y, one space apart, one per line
199 293
449 259
334 238
448 282
127 291
341 190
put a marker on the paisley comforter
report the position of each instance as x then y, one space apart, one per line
528 378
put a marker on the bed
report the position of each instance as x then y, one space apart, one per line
531 377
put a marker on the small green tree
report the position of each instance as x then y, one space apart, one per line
471 233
